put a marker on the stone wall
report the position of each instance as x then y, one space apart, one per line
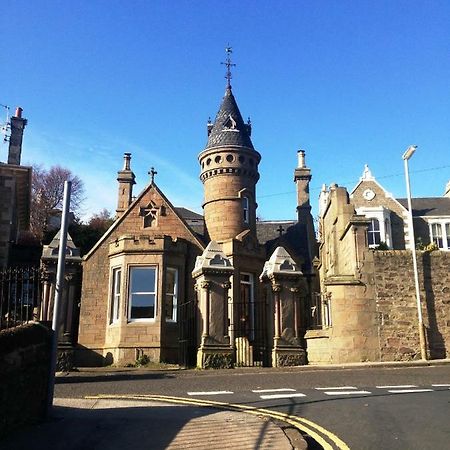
396 303
24 371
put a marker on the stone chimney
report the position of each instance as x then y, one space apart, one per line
126 178
447 189
302 178
15 141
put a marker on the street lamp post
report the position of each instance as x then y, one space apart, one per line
406 156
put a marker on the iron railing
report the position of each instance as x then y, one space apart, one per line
20 290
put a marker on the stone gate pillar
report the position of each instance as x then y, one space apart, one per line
212 273
70 309
286 283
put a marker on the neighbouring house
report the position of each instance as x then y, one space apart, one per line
389 216
15 192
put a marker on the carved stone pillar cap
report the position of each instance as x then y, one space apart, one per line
212 260
280 263
50 251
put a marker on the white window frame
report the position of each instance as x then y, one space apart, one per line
444 225
174 316
372 233
131 293
116 290
382 214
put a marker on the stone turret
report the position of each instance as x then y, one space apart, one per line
15 141
229 173
126 178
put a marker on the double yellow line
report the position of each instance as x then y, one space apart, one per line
325 438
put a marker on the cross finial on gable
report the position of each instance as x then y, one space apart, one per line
280 229
152 174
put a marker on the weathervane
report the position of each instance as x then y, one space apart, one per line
229 64
152 173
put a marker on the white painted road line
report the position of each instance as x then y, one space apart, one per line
210 393
261 391
440 385
272 396
408 391
347 392
405 386
346 388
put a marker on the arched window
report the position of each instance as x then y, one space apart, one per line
245 208
373 233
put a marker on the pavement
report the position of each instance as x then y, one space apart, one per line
85 424
94 423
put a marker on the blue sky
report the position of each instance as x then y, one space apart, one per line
351 82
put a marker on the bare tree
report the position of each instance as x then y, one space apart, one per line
47 192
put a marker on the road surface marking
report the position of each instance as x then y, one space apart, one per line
346 392
405 386
210 393
408 391
268 397
346 388
261 391
440 385
317 432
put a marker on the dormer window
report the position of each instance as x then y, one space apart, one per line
245 208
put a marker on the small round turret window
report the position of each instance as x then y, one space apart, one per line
218 159
230 158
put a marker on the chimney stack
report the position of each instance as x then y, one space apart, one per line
15 141
126 178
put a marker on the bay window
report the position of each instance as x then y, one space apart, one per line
142 293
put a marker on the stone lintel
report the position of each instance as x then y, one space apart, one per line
347 280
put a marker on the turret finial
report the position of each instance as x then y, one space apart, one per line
229 65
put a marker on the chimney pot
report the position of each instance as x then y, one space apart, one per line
126 161
301 159
19 112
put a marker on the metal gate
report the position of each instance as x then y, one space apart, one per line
250 329
187 337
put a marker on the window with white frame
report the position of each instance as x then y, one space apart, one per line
374 233
440 234
142 293
171 297
380 227
245 208
115 295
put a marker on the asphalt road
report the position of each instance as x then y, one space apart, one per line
368 408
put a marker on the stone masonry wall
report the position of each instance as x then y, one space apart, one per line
396 303
24 371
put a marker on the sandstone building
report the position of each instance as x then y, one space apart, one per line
224 289
216 291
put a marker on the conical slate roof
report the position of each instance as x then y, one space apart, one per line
229 128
